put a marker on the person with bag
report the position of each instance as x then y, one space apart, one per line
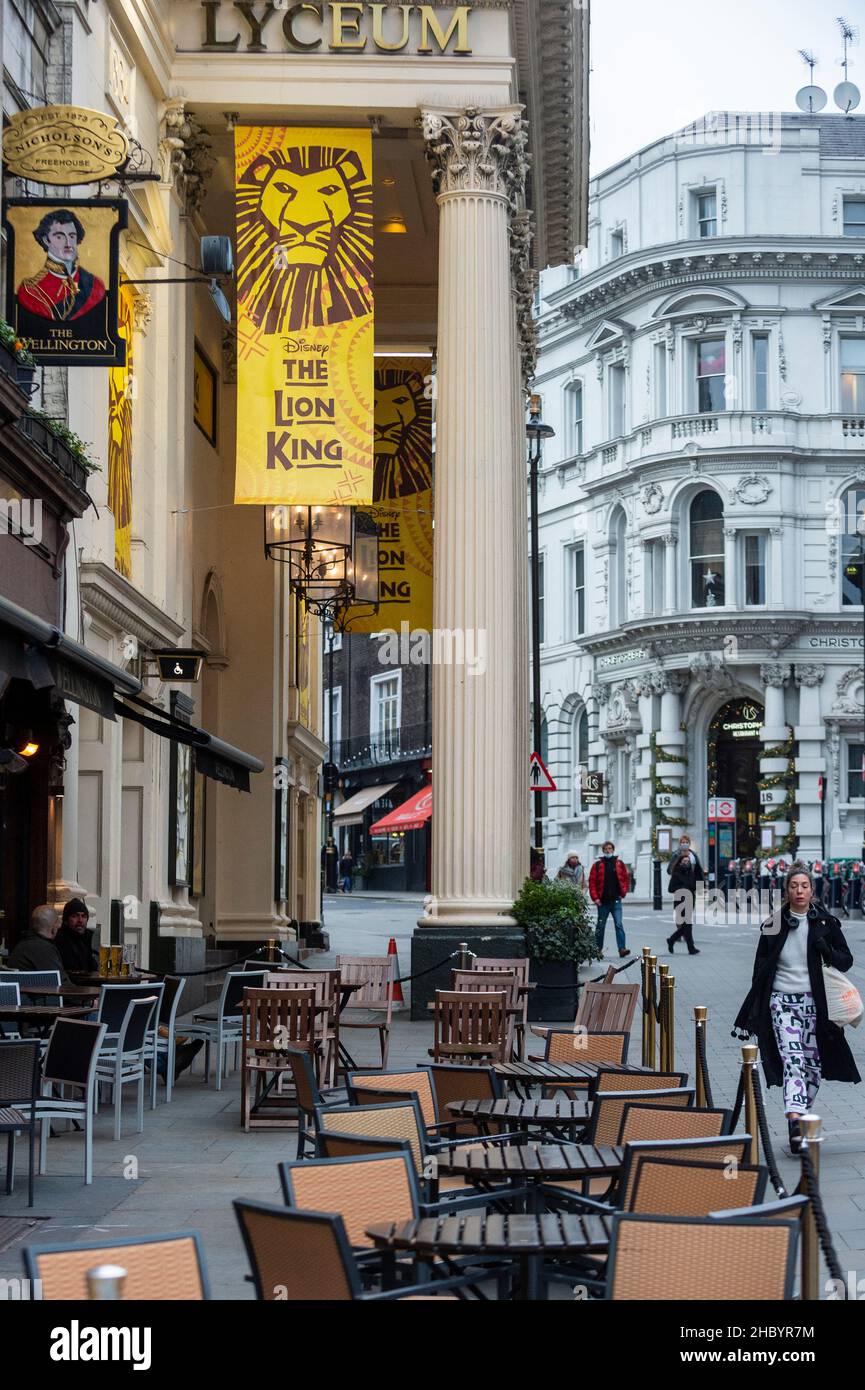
786 1007
684 871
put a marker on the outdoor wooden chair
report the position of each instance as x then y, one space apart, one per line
272 1019
521 967
604 1007
482 982
652 1118
305 1256
609 1108
470 1027
167 1268
308 1095
326 985
453 1082
371 1006
697 1258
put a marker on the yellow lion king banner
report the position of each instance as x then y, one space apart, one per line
305 316
403 497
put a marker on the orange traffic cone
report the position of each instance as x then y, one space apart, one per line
397 995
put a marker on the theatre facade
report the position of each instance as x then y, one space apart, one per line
477 121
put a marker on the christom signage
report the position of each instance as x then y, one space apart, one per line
302 27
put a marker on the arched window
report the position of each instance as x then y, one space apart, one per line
852 544
706 550
580 752
619 590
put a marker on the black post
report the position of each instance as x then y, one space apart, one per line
823 820
534 459
861 528
657 897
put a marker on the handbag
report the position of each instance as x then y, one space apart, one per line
843 1000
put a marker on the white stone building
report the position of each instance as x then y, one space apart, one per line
704 370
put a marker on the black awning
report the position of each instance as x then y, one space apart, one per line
213 757
33 650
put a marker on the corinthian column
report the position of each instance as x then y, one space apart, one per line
480 717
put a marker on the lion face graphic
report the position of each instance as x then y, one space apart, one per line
403 434
304 235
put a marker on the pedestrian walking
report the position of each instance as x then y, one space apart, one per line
346 864
572 872
537 868
609 882
685 872
786 1005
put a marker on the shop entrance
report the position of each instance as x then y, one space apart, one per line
733 768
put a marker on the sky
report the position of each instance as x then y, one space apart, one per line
659 64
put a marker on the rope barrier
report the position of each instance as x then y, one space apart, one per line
765 1136
812 1191
704 1067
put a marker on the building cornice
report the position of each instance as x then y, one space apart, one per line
127 610
731 260
650 639
305 744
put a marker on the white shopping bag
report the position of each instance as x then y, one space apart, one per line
842 997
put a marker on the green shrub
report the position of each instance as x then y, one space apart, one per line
555 919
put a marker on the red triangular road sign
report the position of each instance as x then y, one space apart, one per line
539 779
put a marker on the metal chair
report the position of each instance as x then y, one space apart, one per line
305 1256
10 996
71 1060
19 1089
124 1060
676 1258
375 975
608 1110
365 1088
114 1001
220 1025
308 1095
167 1268
166 1033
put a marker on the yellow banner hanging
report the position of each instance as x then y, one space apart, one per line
304 316
403 510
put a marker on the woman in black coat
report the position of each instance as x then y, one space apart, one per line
786 1005
685 872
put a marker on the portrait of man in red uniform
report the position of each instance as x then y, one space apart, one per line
63 290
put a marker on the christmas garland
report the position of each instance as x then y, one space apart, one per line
663 755
783 810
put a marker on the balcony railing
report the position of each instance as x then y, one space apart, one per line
392 746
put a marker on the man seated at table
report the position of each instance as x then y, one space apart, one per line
37 949
75 938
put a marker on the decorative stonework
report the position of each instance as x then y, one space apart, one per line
142 312
185 156
709 670
653 498
846 699
476 151
774 674
811 675
752 490
601 693
229 356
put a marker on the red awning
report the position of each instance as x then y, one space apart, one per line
412 815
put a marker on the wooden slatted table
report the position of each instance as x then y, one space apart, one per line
557 1116
524 1075
526 1240
529 1163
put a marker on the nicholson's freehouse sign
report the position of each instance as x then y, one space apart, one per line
336 28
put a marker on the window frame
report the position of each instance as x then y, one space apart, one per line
851 200
843 338
376 733
580 721
851 547
709 191
661 382
696 344
617 242
617 428
849 771
742 564
329 693
575 397
700 559
576 593
764 337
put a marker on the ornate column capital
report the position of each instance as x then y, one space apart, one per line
601 693
142 312
810 675
475 151
670 682
772 673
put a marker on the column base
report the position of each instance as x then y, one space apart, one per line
433 944
467 912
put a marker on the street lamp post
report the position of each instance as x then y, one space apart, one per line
536 433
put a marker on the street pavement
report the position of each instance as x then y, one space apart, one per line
193 1158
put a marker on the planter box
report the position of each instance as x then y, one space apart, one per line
553 1005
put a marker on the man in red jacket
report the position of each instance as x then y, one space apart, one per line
608 885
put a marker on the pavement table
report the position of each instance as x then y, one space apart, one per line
39 1015
558 1117
526 1240
524 1075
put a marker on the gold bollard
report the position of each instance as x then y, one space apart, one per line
671 1023
647 1003
701 1013
750 1053
811 1125
653 1011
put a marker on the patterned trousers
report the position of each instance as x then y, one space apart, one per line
794 1019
